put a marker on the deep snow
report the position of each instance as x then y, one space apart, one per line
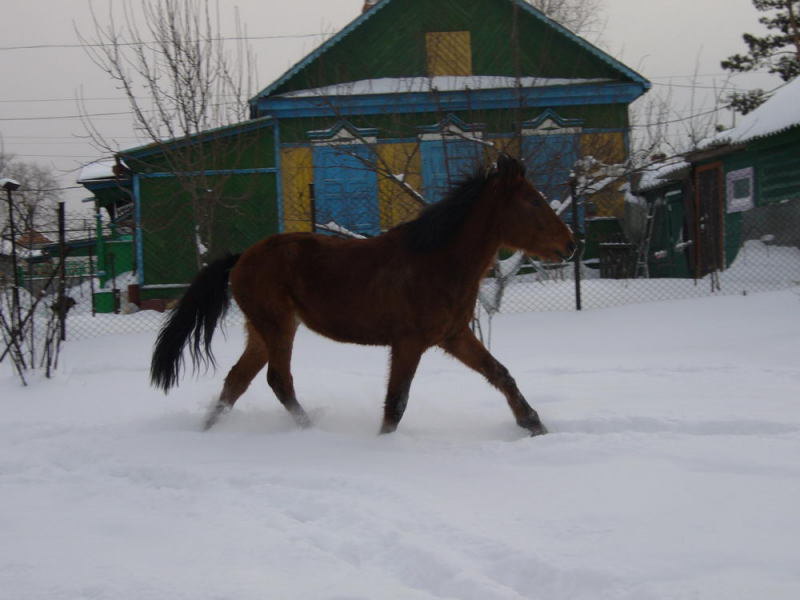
673 469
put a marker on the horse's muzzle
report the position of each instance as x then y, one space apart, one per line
569 251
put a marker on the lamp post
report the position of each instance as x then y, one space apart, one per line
10 185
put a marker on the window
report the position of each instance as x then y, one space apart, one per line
740 190
449 53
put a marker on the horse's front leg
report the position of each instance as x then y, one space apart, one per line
468 349
404 362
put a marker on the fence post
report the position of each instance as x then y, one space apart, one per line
62 254
15 305
573 187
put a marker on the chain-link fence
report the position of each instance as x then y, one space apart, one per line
759 251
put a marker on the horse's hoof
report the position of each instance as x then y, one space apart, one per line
541 430
534 425
301 419
214 414
387 428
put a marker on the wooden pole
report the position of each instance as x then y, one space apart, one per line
15 305
578 240
62 245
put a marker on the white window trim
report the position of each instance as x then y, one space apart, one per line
735 205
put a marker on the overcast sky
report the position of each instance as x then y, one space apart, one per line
665 40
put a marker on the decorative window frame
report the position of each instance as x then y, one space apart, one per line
551 123
452 128
343 134
744 204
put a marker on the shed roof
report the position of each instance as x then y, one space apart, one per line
661 173
780 113
98 170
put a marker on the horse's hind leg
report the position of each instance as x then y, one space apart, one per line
468 349
237 381
280 340
404 362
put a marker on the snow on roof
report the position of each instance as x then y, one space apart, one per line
446 83
657 173
101 169
779 113
7 181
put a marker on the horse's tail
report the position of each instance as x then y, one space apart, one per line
195 316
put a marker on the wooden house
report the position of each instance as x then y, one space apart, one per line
741 184
382 119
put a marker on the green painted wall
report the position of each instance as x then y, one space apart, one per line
777 162
118 258
668 226
369 53
247 214
237 149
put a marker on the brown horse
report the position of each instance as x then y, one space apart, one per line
410 288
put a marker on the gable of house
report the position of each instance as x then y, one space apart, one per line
419 38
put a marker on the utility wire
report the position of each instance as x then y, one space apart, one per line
58 117
116 44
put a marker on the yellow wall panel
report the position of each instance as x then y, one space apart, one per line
510 145
608 148
449 53
297 175
397 206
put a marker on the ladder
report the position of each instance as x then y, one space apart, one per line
642 264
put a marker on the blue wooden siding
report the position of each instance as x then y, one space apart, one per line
345 190
447 162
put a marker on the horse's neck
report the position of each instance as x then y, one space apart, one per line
475 246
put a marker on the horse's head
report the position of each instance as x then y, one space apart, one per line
526 220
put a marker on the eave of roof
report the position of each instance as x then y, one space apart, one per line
208 135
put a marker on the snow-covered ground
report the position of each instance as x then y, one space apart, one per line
672 470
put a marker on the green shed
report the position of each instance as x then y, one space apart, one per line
746 182
742 184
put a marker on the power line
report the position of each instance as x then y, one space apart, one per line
718 74
83 116
87 99
57 189
90 157
150 43
58 117
32 100
701 114
698 87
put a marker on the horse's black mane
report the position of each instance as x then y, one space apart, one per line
436 225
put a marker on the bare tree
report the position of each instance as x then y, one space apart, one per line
171 61
583 17
35 204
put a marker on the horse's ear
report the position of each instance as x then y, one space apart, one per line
509 168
